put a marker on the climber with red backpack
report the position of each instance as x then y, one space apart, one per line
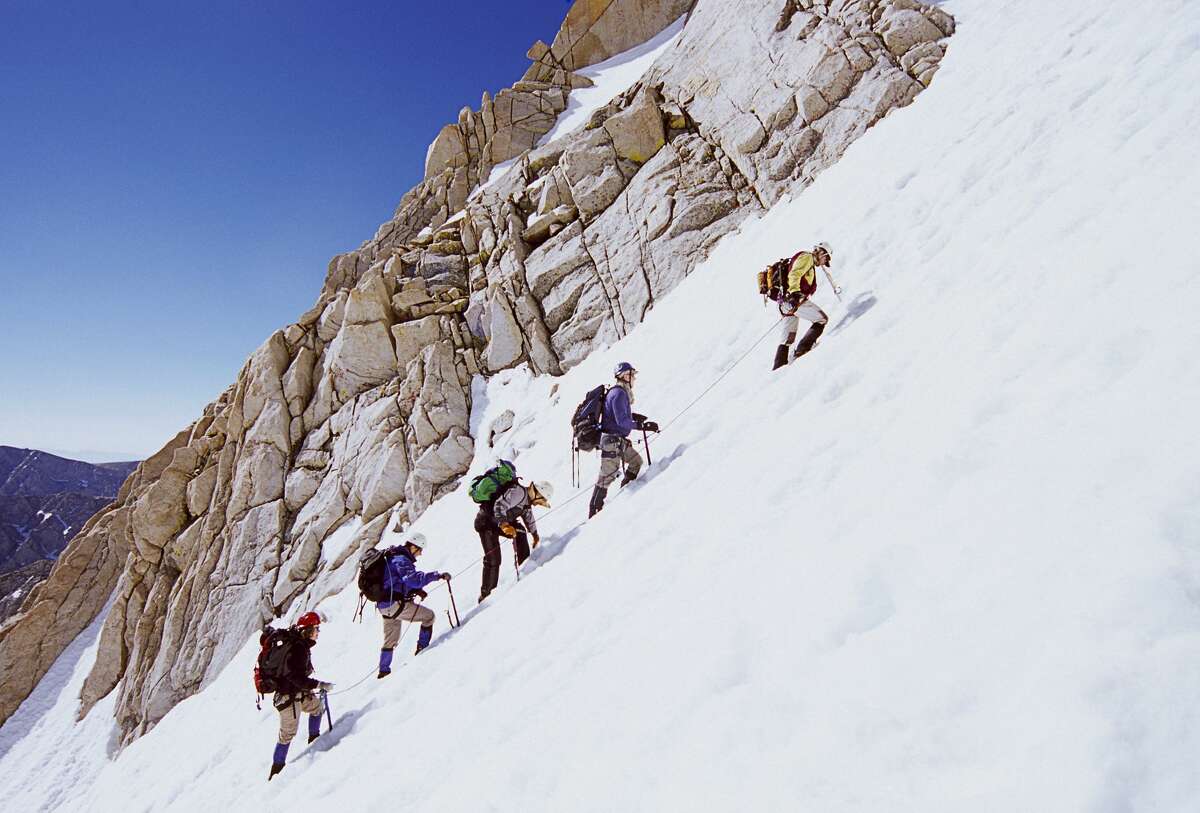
789 283
505 509
285 668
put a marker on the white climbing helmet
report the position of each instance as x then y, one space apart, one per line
417 540
824 247
541 493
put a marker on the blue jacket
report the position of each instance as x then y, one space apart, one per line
401 577
618 419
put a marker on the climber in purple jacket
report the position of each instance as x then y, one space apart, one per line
617 421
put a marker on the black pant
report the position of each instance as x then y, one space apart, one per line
489 536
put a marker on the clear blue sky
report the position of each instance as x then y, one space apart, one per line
175 176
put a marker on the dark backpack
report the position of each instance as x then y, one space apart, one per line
372 568
487 486
271 671
585 423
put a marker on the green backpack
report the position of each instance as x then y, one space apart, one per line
486 486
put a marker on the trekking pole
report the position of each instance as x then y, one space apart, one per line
646 442
328 713
837 291
450 590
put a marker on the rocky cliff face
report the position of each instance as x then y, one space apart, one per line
361 408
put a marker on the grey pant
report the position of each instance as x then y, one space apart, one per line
289 714
808 310
393 617
615 450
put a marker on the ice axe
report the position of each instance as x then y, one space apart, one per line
328 713
450 590
837 289
646 443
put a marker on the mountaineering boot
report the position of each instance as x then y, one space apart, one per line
810 338
780 356
385 662
627 479
484 594
598 495
423 639
278 759
311 737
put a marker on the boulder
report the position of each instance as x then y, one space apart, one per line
904 28
592 174
360 357
541 225
505 346
412 338
447 150
637 132
200 491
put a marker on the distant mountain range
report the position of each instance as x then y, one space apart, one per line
44 501
16 585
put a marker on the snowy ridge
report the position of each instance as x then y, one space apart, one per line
611 78
946 562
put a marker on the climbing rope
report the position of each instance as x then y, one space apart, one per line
674 418
584 491
363 679
721 377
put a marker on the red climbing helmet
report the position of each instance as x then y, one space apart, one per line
309 619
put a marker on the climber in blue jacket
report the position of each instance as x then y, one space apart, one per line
403 581
617 421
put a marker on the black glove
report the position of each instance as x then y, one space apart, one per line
445 577
638 419
649 426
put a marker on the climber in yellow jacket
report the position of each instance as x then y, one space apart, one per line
790 283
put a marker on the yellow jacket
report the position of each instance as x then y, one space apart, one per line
802 278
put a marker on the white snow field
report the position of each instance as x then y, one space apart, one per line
948 561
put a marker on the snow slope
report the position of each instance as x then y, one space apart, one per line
948 561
